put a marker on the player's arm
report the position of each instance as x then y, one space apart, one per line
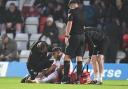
69 23
68 28
50 70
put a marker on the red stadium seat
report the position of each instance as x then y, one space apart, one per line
28 11
125 38
62 38
42 24
25 11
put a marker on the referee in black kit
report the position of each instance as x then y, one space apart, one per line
74 38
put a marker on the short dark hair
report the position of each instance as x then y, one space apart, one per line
74 1
13 4
56 49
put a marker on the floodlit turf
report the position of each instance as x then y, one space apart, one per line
14 83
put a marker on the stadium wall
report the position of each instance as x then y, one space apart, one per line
18 69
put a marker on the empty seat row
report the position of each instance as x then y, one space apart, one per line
31 25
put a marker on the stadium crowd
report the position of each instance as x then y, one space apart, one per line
48 19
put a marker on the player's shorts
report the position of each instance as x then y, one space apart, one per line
76 45
98 49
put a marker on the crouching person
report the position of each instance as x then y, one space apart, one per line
54 73
38 60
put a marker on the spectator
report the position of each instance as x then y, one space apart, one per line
90 15
112 30
59 12
2 16
56 8
51 31
8 49
41 5
13 19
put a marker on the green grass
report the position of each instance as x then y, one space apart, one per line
14 83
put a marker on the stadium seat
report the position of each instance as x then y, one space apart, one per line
125 38
24 54
25 11
120 55
33 38
46 39
31 25
10 35
28 11
62 38
29 2
61 26
42 23
22 41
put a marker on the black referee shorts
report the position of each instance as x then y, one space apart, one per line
98 49
76 45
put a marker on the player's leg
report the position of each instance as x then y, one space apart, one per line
101 47
52 77
93 57
33 72
32 76
101 67
79 54
95 63
25 78
70 53
65 78
95 67
79 66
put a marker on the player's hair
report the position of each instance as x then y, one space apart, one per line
55 49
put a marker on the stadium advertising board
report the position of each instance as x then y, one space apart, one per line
114 71
3 68
111 72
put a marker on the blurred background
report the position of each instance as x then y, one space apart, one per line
25 21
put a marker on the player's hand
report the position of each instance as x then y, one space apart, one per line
66 41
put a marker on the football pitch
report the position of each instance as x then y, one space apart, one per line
14 83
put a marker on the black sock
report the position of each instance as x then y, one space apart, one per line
79 68
66 68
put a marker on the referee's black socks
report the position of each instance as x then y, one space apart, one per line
65 79
66 68
79 69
